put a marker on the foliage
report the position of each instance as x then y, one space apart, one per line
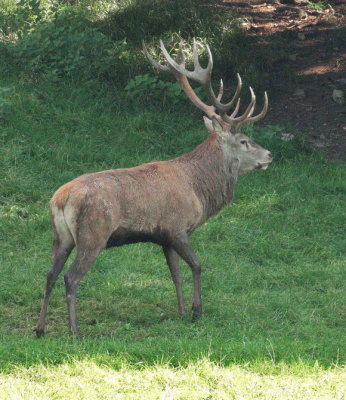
5 104
67 46
232 50
151 20
148 86
144 19
21 17
319 5
57 39
31 13
154 89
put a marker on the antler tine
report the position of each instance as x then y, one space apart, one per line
176 66
236 109
223 108
237 91
248 111
180 59
202 76
204 72
219 96
236 95
263 112
196 63
156 65
199 75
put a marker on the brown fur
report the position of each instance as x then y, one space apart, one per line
61 196
151 199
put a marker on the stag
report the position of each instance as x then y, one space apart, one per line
161 202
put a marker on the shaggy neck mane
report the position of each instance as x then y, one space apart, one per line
210 174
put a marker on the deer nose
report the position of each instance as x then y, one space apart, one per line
270 156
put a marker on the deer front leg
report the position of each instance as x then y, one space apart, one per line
182 246
172 259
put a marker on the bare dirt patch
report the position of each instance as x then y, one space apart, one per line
317 37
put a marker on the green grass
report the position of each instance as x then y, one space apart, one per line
273 275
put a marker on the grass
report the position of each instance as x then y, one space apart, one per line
273 265
273 277
201 380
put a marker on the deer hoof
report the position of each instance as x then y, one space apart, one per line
39 332
197 313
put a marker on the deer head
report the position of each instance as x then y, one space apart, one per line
222 118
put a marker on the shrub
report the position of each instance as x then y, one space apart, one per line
58 38
143 19
68 46
5 105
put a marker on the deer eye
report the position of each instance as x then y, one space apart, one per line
244 142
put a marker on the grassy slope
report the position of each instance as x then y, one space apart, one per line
273 277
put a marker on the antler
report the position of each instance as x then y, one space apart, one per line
203 76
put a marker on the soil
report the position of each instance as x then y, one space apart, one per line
305 105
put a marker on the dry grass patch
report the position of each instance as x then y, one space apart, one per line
200 380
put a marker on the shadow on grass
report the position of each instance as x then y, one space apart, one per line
26 351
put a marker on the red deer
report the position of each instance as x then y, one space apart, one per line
161 202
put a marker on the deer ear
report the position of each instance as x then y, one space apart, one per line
208 124
213 125
219 129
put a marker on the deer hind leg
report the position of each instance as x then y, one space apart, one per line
172 259
60 252
84 259
181 245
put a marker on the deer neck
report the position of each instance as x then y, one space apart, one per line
210 174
